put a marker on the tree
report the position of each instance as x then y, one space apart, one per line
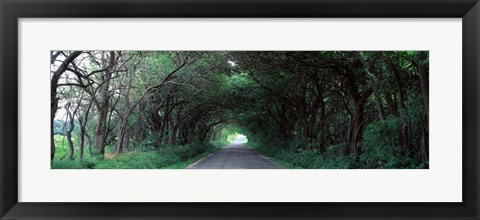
53 91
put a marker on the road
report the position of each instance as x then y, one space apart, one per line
235 156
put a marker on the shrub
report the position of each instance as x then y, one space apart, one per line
146 157
379 147
149 143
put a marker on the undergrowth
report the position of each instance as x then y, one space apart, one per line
292 157
164 157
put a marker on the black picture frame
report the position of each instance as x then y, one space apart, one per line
12 10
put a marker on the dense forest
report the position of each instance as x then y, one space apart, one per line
302 109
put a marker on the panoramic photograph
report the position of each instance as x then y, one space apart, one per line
239 109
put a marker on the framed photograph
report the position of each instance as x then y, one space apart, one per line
239 109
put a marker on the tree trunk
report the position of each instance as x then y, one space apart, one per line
81 143
357 129
356 126
424 86
392 107
120 136
405 140
71 123
122 133
89 139
83 120
101 129
423 75
156 120
321 130
126 138
378 99
369 69
53 95
139 133
103 107
70 145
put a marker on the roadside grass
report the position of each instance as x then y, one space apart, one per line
292 158
165 157
217 145
185 164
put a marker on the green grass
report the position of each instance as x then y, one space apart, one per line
166 157
291 158
217 145
184 164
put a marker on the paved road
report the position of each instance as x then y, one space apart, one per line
235 156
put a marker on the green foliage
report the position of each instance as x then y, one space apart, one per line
86 163
220 143
336 150
183 152
137 160
379 150
169 157
380 145
291 157
62 145
149 143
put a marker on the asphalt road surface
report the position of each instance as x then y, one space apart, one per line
235 156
